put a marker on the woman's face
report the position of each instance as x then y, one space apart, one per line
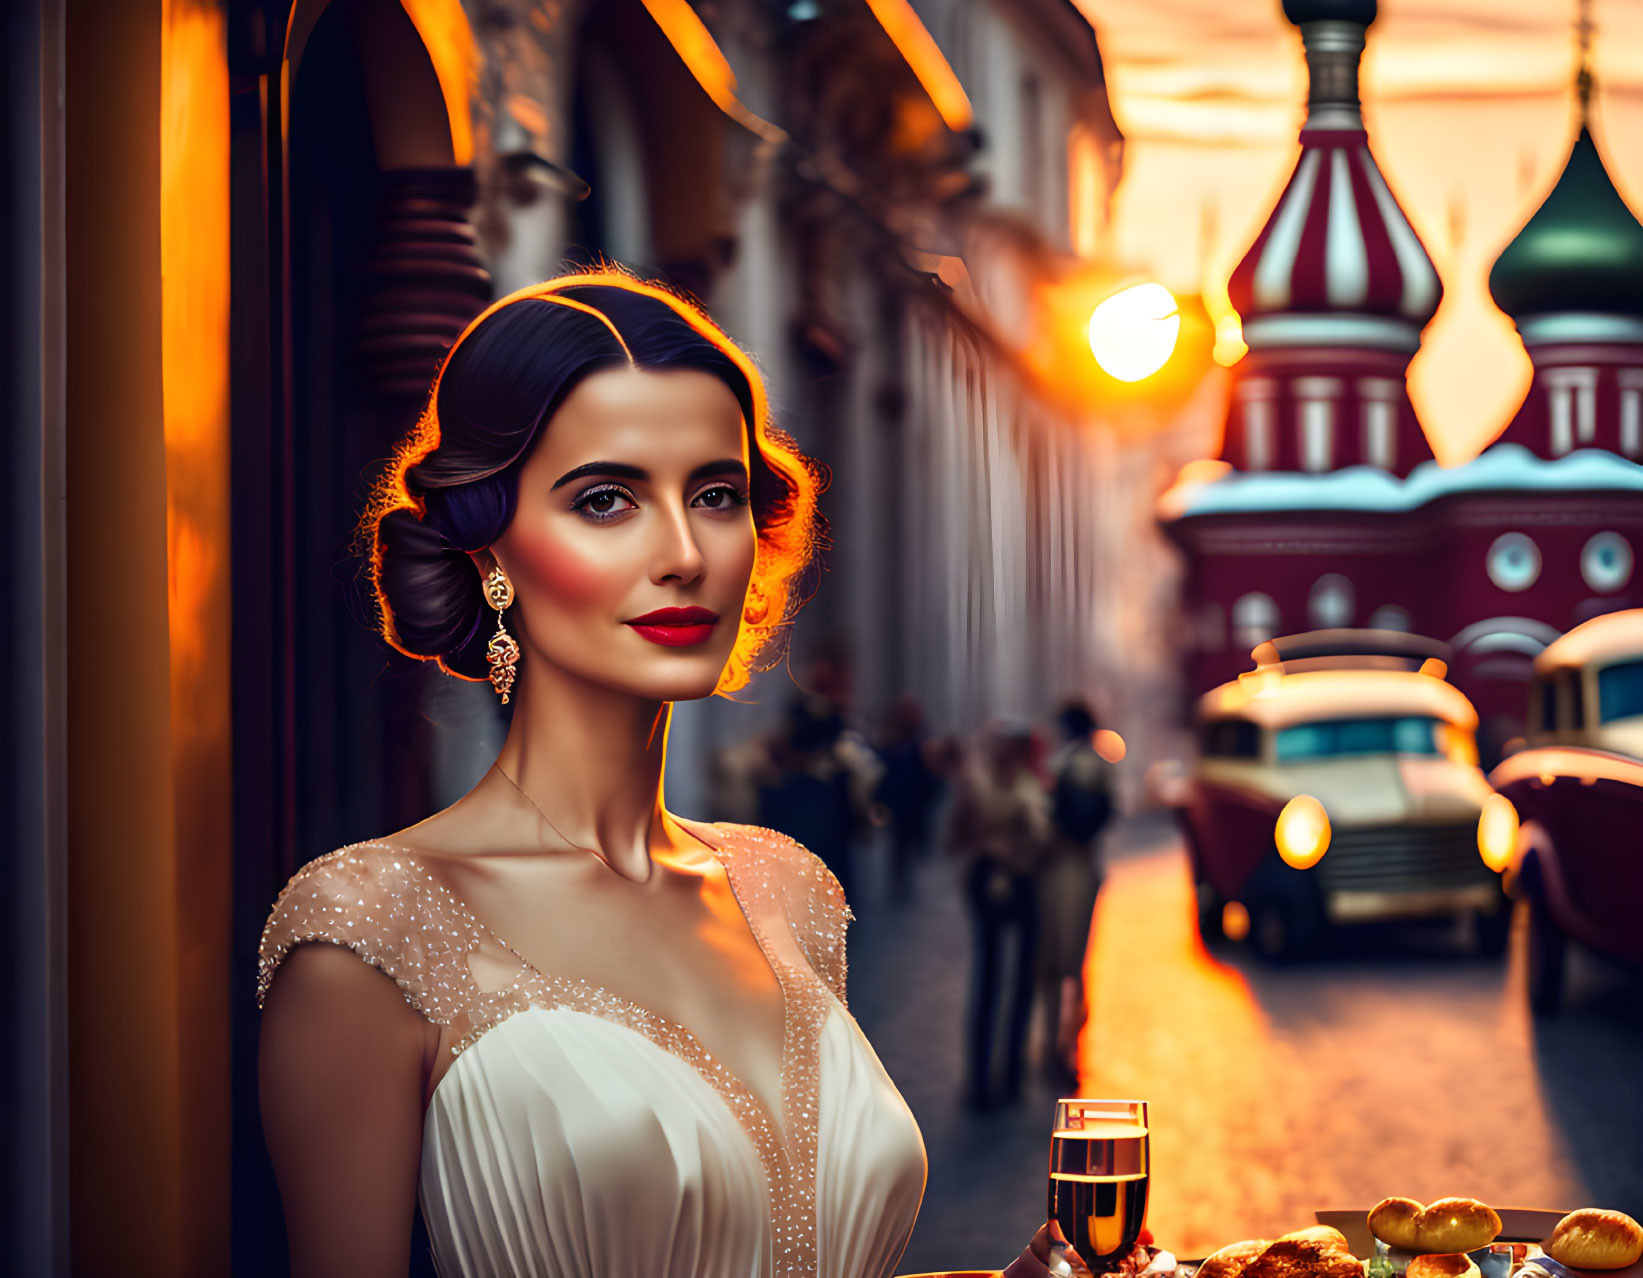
632 545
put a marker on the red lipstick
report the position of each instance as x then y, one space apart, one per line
676 627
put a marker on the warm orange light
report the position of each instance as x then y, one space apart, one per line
194 144
1133 332
1458 745
1497 832
1234 921
1086 190
707 63
1302 832
1230 346
1109 745
449 39
1434 666
918 47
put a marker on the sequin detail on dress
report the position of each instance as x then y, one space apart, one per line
380 902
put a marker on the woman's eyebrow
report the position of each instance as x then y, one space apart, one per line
625 470
620 470
724 466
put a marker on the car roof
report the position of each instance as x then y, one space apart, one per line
1277 700
1615 636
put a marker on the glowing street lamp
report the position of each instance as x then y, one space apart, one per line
1133 333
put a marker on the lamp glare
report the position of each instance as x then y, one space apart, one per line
1133 333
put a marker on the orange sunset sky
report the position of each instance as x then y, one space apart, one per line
1471 111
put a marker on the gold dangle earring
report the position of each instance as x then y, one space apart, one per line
502 651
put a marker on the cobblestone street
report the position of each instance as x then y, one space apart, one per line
1395 1063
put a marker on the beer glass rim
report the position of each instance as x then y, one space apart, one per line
1110 1107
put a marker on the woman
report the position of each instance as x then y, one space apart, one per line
655 1074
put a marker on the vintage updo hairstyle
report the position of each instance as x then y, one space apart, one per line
453 484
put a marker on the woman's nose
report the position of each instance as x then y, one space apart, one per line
678 555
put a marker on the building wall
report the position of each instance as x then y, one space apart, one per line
148 849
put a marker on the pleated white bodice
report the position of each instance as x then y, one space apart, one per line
577 1134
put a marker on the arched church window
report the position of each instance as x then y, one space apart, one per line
1391 617
1330 604
1513 562
1606 562
1254 619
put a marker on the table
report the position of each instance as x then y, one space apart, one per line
1517 1224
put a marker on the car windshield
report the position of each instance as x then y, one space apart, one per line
1620 691
1328 738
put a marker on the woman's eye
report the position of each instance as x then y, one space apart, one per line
721 497
603 503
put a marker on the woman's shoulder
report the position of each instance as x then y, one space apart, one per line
798 882
344 888
375 900
784 859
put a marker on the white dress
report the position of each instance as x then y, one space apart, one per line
578 1135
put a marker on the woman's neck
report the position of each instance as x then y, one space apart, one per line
591 759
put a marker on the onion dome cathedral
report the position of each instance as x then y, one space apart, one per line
1335 290
1332 513
1572 281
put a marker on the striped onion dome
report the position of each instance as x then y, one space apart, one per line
1337 263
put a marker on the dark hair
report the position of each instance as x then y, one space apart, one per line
1076 719
454 482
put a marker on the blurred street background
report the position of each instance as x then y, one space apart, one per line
1395 1063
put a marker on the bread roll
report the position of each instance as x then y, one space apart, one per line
1304 1258
1324 1234
1594 1239
1231 1260
1393 1221
1456 1225
1442 1265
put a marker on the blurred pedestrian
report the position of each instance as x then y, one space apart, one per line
1069 880
735 772
809 795
908 791
1000 826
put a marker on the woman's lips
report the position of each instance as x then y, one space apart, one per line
676 627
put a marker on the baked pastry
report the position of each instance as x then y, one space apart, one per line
1231 1260
1392 1220
1325 1234
1442 1265
1595 1239
1304 1258
1449 1225
1456 1225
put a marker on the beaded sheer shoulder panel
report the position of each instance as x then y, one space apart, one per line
376 901
379 902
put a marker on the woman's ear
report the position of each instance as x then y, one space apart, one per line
483 560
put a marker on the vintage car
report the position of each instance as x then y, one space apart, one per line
1577 786
1338 783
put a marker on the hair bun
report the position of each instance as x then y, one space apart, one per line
432 597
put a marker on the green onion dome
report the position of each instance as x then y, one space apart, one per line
1582 251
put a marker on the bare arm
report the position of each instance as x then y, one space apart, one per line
341 1068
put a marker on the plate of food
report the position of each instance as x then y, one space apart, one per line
1465 1238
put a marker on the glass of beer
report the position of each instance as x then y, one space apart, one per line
1098 1177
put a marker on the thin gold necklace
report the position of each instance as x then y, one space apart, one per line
577 847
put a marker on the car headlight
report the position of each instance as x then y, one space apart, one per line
1302 832
1497 832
